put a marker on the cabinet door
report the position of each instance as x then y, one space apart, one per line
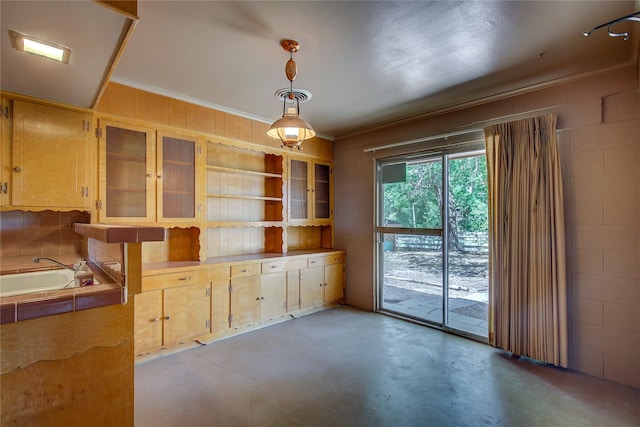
187 311
293 290
322 206
311 287
220 306
49 156
245 301
148 321
127 173
273 295
299 190
5 153
334 282
176 173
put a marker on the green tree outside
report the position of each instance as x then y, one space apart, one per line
417 202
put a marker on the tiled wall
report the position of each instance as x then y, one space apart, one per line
47 234
599 139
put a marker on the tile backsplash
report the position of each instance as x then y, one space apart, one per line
47 233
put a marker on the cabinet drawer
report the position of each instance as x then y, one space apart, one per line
245 270
334 259
169 280
325 260
214 275
296 263
274 266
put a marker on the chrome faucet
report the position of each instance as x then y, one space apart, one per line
37 260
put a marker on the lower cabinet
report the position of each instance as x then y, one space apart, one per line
311 287
258 298
220 298
148 321
176 307
187 313
165 317
323 281
273 295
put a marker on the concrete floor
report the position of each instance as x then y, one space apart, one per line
345 367
464 314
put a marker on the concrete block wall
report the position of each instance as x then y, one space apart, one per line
599 140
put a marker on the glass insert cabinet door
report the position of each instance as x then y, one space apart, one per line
176 177
309 191
146 176
299 193
127 184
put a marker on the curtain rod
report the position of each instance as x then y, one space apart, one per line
425 139
474 129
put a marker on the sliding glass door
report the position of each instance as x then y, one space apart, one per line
432 260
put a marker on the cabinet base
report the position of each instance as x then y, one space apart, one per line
218 336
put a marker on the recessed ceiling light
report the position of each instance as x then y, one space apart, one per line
39 47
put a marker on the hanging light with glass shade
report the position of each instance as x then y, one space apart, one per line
291 129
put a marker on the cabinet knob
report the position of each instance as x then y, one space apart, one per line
156 320
245 270
148 175
258 299
321 285
185 278
159 176
167 318
17 169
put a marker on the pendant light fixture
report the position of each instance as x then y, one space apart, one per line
291 129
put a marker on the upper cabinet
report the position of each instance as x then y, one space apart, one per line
147 176
5 152
310 190
49 157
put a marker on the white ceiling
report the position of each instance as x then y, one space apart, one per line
365 62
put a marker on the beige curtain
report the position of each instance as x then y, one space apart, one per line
527 276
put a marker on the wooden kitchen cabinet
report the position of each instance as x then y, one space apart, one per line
187 313
311 287
310 191
273 295
219 280
50 162
5 152
245 301
213 300
323 281
256 298
164 317
148 321
147 176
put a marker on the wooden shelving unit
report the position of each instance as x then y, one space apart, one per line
245 201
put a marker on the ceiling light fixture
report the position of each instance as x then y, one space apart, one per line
291 129
32 45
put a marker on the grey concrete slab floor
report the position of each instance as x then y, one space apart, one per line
346 367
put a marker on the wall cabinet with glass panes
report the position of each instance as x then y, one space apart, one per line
310 192
147 175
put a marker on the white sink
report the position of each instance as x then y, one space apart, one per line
37 281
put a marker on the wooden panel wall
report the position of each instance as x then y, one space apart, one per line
137 104
72 369
69 369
